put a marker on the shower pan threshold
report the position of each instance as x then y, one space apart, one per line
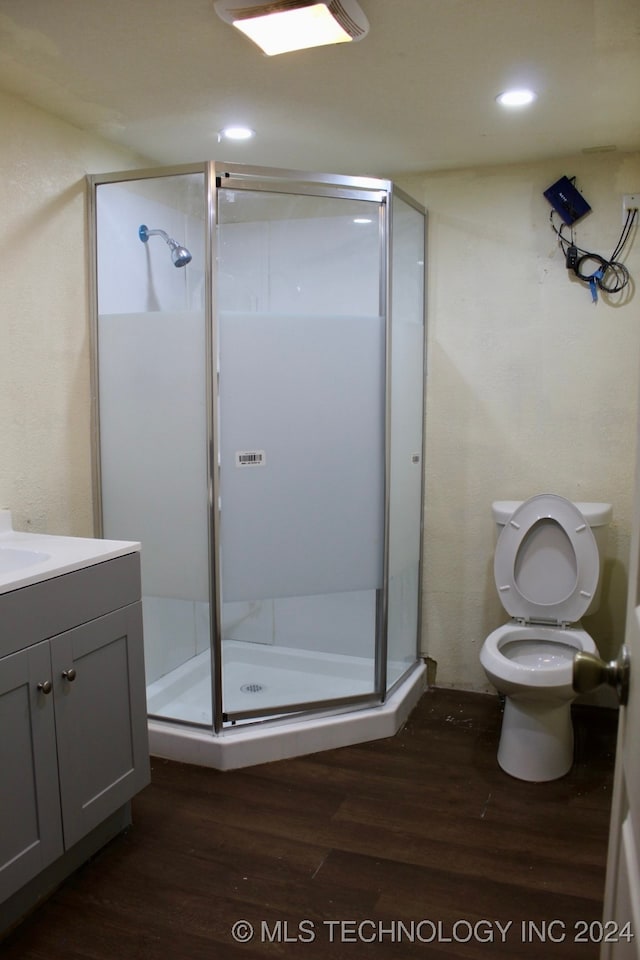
246 745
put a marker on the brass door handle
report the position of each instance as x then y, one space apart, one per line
590 672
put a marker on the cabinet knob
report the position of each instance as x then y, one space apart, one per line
69 675
45 687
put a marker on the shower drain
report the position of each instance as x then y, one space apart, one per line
252 687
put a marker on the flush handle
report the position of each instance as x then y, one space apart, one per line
590 672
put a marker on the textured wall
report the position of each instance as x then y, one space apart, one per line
531 387
45 465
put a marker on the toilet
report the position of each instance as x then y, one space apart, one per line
547 572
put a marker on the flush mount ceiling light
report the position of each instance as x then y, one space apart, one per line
516 98
279 26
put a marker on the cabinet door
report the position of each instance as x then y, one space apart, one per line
100 706
30 827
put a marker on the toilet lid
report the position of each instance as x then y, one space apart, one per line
546 563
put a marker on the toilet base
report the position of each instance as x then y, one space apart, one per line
536 742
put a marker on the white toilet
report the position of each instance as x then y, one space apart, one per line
547 571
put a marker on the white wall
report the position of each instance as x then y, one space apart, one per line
45 450
531 387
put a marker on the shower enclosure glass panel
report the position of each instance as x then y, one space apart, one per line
407 404
301 340
151 359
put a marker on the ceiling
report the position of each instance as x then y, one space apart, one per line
162 77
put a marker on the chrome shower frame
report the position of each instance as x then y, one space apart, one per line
244 177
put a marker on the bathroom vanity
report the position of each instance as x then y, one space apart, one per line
73 733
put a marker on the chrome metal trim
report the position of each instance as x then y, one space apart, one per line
94 384
382 622
301 176
312 706
215 585
424 426
408 199
297 183
147 173
299 190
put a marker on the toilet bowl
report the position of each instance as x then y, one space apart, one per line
546 567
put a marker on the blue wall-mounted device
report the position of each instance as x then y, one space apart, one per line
566 200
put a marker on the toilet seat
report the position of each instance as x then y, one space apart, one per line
521 593
509 674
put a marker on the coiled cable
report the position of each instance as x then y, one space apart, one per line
610 275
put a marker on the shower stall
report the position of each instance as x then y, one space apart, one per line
258 368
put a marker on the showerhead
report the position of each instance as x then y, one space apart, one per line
180 255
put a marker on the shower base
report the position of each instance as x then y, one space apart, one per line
258 676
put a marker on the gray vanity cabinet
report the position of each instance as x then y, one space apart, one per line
73 733
30 818
100 718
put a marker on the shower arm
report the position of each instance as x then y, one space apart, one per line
144 233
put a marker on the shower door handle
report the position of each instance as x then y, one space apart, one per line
590 672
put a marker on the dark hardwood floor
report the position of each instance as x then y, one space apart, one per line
409 847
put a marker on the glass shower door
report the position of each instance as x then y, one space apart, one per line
301 419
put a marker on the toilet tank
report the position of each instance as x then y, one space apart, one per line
597 515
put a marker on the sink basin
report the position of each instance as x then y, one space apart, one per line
27 558
14 558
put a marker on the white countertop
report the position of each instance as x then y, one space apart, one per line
27 558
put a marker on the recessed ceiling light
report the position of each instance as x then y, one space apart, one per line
236 133
516 98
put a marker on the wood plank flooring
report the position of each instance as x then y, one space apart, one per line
409 847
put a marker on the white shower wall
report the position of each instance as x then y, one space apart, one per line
137 277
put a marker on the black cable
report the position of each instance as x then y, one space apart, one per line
611 276
624 236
